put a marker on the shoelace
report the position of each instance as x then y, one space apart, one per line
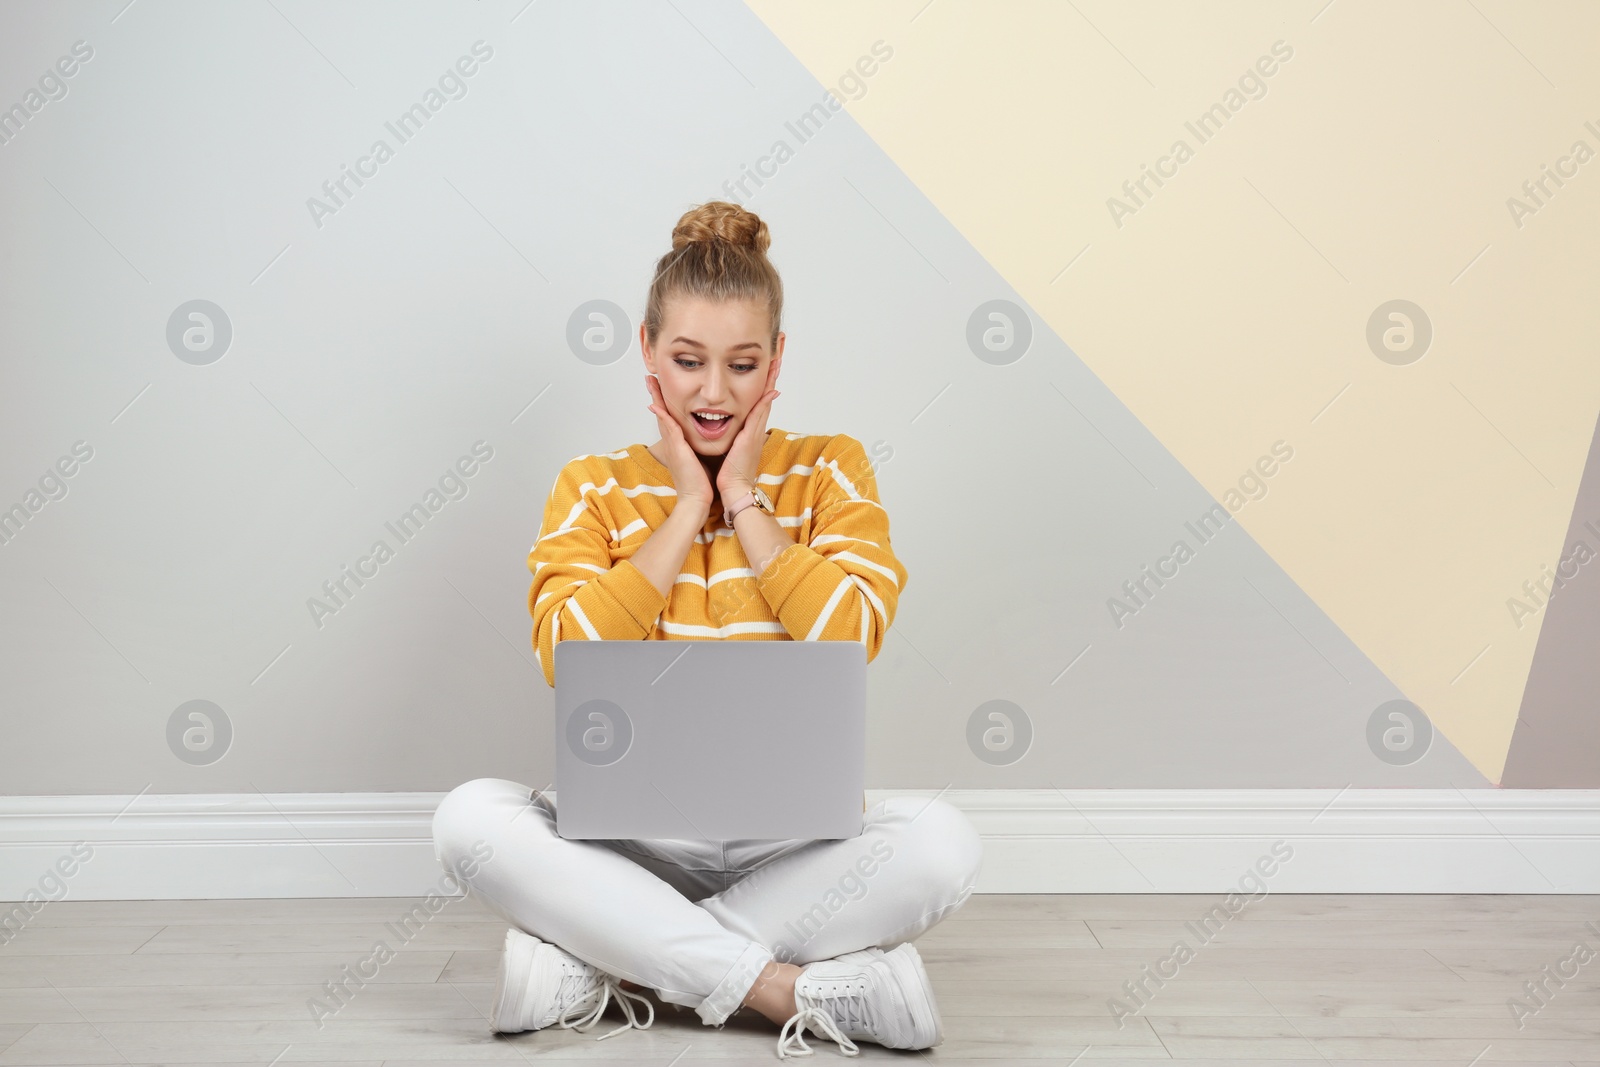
849 1002
605 987
794 1044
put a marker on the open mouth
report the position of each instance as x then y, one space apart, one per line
711 429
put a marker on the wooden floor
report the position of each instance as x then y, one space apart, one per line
1343 980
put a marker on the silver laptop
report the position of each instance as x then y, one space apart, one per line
710 740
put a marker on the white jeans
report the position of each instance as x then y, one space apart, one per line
698 921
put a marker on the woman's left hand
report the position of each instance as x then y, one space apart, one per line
742 464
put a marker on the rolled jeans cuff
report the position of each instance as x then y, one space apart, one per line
729 994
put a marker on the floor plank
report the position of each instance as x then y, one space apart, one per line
230 968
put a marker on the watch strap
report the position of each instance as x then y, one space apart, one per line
738 506
754 496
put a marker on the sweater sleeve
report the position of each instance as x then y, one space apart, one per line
577 594
846 583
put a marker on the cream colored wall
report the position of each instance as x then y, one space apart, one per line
1230 309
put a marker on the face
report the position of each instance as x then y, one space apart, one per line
712 355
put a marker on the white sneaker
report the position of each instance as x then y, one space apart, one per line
872 994
541 984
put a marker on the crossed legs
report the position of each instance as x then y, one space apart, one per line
708 926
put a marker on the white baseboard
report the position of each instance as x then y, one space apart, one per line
1035 841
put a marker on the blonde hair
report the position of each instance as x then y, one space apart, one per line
719 252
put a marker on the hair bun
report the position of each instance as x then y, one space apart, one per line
719 220
719 254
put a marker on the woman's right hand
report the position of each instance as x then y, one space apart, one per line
688 475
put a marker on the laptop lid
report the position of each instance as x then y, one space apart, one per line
710 740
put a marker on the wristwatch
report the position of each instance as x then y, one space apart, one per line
754 496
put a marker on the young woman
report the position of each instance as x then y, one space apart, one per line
722 529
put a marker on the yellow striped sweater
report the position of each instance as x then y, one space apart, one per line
839 581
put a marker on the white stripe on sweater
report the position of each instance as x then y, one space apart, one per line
683 629
894 579
866 591
825 539
583 620
815 633
570 585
